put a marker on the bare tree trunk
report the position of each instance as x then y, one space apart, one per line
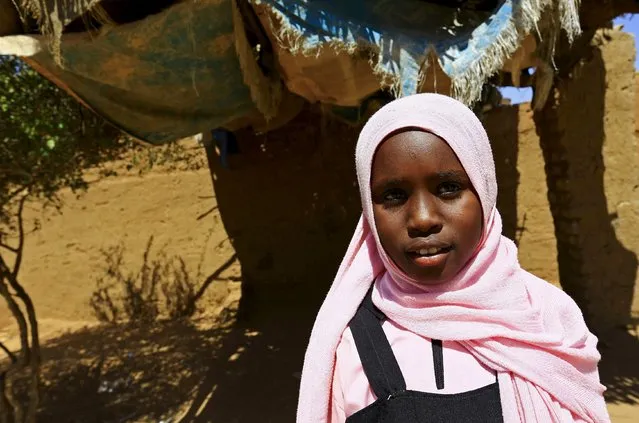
32 349
34 393
17 314
8 353
4 405
29 357
8 393
16 406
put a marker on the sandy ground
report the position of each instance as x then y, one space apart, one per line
167 370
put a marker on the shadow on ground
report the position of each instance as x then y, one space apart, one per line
177 371
619 368
183 372
121 373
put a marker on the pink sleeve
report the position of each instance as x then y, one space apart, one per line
337 414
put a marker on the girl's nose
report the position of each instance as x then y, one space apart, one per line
424 216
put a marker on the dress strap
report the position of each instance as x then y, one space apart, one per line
375 352
368 304
438 362
437 345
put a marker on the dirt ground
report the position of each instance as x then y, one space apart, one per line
200 370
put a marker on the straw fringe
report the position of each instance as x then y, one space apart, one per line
467 86
294 42
48 15
526 18
266 92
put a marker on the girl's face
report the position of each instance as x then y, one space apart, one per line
428 216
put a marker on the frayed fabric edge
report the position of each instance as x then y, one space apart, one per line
467 85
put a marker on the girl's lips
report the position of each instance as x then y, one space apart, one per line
429 260
427 246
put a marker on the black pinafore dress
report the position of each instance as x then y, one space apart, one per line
396 404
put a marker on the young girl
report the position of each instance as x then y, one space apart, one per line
430 318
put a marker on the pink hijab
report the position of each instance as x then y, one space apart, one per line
531 333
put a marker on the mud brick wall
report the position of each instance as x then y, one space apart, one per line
522 200
588 139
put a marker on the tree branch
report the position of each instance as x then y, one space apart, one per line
34 350
17 192
8 247
5 171
17 314
11 355
20 247
212 277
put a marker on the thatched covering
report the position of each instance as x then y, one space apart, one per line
397 37
162 69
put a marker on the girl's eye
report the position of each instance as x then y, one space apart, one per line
449 189
394 197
